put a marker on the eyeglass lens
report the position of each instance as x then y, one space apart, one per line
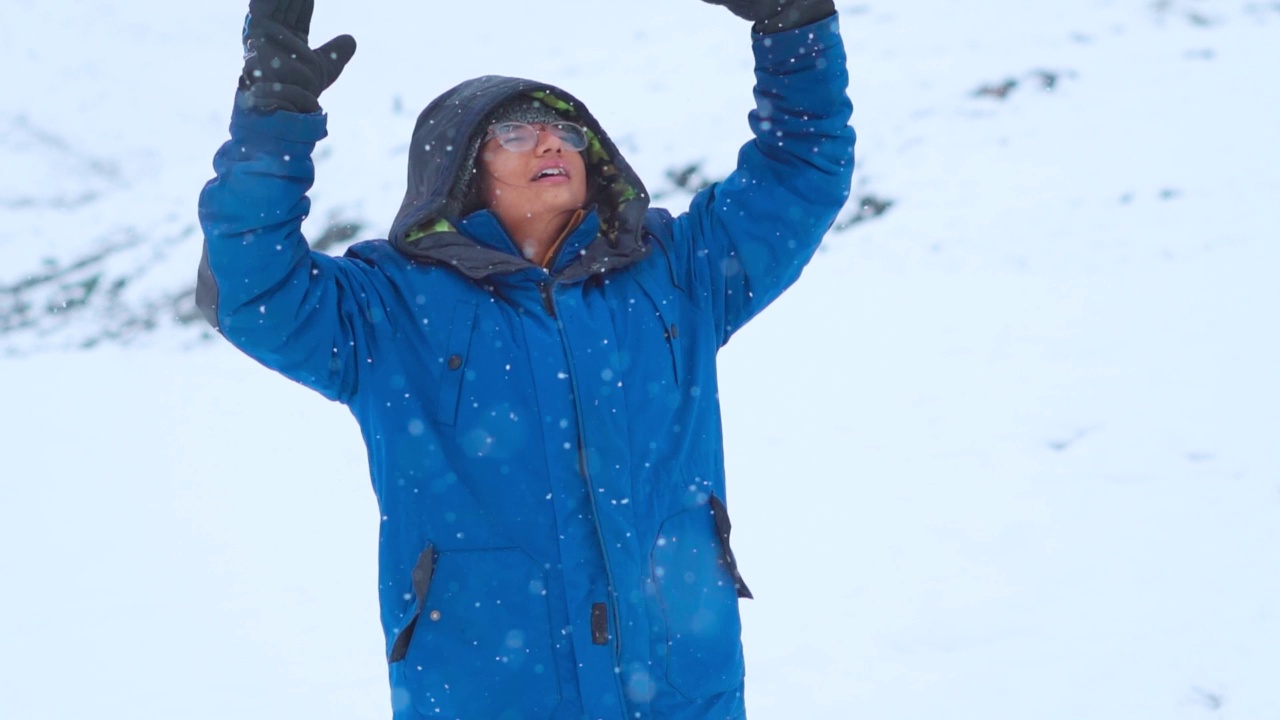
519 137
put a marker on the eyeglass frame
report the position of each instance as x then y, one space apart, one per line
538 129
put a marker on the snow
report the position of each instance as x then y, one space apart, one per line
1005 451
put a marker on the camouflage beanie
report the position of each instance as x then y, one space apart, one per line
465 194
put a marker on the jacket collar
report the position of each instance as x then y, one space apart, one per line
481 249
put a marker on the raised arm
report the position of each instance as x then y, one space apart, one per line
259 284
746 239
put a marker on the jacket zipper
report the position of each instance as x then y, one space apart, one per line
548 299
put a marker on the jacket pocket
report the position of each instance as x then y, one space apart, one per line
723 527
699 596
454 363
423 573
481 645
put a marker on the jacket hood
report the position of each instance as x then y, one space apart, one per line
426 227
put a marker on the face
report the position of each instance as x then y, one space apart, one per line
546 181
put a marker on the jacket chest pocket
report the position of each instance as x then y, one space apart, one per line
665 301
454 363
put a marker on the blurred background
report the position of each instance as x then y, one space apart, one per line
1007 450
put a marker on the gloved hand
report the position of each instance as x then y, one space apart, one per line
280 71
772 16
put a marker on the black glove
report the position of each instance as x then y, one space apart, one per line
280 71
772 16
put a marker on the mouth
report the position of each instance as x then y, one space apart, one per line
551 173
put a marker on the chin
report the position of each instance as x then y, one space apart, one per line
566 199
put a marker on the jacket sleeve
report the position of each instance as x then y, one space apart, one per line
746 239
304 314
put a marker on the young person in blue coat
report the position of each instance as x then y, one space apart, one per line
530 355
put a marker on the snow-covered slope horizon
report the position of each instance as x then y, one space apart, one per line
1004 452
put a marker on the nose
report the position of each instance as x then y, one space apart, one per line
548 141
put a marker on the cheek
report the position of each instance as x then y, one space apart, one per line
580 178
497 167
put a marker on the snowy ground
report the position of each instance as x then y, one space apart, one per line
1005 452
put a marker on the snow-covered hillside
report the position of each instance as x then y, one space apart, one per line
1005 452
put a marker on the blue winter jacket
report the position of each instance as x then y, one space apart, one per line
545 444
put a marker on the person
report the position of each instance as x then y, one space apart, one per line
530 355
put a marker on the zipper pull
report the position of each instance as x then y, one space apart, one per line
548 302
600 624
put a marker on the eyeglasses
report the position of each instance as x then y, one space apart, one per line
520 137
